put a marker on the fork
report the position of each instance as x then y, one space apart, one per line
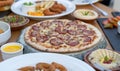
100 10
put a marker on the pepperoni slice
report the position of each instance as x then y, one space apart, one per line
87 39
60 31
81 27
75 22
42 38
53 34
88 32
72 32
44 24
56 41
67 37
73 42
60 24
60 36
35 27
33 34
72 23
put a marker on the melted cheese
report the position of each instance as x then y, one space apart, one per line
44 31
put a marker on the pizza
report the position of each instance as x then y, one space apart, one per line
62 35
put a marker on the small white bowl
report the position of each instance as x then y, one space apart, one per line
9 54
85 14
27 8
4 37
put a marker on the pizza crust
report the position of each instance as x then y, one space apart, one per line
64 48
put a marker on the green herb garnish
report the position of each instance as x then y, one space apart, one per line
28 3
85 13
12 19
106 58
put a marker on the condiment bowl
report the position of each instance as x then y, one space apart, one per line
11 49
85 14
103 60
16 22
4 37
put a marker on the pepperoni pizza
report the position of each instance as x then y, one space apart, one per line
62 35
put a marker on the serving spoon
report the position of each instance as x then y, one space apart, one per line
97 8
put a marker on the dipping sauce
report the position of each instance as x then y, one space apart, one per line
85 14
12 48
28 6
1 31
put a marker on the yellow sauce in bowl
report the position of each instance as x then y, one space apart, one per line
12 48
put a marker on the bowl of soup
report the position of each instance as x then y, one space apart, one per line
11 49
5 32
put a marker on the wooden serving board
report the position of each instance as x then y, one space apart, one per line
79 54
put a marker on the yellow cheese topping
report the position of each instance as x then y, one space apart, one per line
12 48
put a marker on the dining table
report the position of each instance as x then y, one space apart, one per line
16 33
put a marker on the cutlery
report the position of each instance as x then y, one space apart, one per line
97 8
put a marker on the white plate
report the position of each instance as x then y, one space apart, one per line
82 2
71 63
16 8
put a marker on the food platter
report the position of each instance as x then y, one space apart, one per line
16 8
83 2
72 64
